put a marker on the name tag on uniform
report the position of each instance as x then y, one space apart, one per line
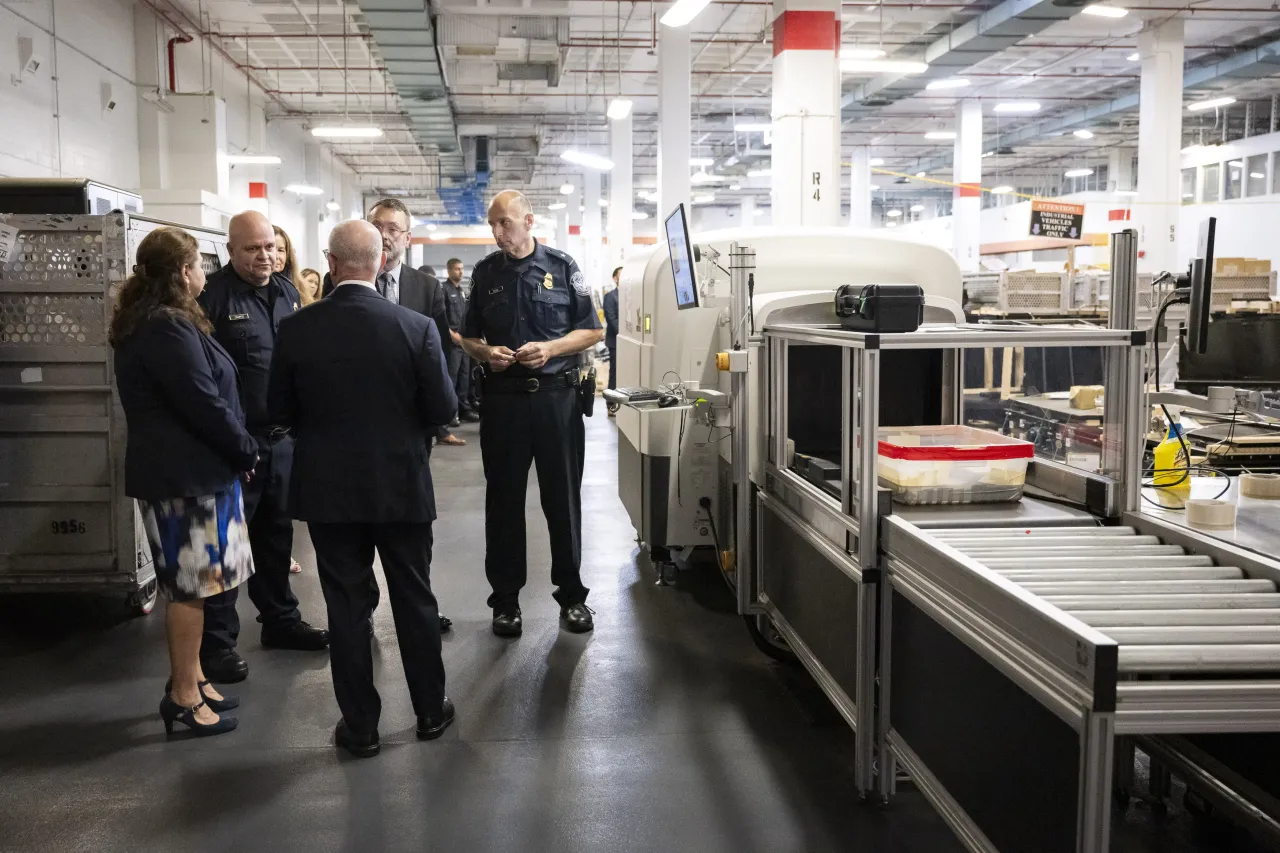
234 317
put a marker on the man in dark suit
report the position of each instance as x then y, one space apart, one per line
361 382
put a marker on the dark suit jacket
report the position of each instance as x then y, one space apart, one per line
182 407
611 318
418 292
361 382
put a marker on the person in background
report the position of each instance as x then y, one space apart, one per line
187 448
427 269
286 259
245 301
459 363
308 284
611 331
363 412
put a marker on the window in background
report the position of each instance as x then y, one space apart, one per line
1234 185
1209 187
1189 186
1255 175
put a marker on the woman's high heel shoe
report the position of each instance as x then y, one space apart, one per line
226 703
171 712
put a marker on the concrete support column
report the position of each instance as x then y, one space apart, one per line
675 125
1159 146
860 187
153 122
592 232
576 247
621 191
806 112
967 206
747 211
1120 169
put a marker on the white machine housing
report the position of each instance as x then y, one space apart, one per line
670 458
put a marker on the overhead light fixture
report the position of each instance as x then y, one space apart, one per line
647 195
920 174
441 235
706 178
582 208
604 202
873 187
557 206
703 199
894 213
1098 10
1133 57
304 189
253 159
758 212
587 160
940 134
1211 104
876 161
950 83
1236 164
346 132
1002 190
1078 173
1258 176
988 153
333 205
759 173
431 226
566 189
1188 195
882 66
732 161
1018 107
639 214
753 127
735 187
916 208
861 53
682 12
1082 134
702 161
891 225
619 108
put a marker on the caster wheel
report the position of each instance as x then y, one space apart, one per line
144 600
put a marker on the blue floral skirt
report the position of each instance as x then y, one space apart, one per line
200 545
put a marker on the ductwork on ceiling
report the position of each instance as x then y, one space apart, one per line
483 50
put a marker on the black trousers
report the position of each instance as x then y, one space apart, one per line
613 366
271 540
544 428
459 367
344 557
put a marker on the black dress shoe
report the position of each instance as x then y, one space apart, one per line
446 624
430 728
225 666
469 417
577 618
507 623
298 636
359 745
455 423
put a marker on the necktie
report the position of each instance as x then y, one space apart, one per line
382 283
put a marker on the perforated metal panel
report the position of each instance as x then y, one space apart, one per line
1242 288
51 319
1034 292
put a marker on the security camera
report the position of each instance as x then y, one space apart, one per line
111 105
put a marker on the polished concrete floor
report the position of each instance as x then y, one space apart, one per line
665 730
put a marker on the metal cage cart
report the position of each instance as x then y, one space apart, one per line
65 523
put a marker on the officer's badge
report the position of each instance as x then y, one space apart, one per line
548 282
579 284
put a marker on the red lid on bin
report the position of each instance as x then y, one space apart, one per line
959 453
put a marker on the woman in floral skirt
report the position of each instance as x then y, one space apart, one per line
186 453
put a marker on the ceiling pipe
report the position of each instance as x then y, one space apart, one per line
173 68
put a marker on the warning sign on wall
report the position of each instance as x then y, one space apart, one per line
1055 219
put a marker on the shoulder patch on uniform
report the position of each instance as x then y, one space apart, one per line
579 283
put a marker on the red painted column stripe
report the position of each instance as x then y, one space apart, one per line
968 190
804 30
1118 214
575 230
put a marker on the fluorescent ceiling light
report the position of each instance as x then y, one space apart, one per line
441 235
940 134
891 225
682 12
557 206
703 199
753 127
566 189
988 153
639 214
346 132
1236 164
873 187
916 208
304 189
253 159
1018 107
604 202
759 173
582 208
735 187
1101 11
1212 103
1002 190
333 205
876 161
757 212
1082 134
647 195
920 174
894 213
952 83
702 161
431 226
705 178
619 108
882 66
1078 173
1133 57
1258 176
861 53
586 160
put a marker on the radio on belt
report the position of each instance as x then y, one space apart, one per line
880 307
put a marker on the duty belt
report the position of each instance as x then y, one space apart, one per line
272 433
497 384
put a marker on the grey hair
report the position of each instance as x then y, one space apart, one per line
355 243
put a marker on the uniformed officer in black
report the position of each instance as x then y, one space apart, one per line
529 317
245 301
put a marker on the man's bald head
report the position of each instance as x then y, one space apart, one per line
355 251
252 243
511 219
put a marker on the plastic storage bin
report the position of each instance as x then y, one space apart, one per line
952 465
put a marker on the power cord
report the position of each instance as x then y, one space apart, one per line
705 504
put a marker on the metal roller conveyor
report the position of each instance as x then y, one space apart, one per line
1072 603
1102 540
1202 573
1136 588
1067 553
1104 620
1049 562
1176 635
950 534
1258 657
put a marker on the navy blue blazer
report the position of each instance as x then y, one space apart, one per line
362 383
182 406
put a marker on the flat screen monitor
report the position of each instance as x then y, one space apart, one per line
682 259
1201 288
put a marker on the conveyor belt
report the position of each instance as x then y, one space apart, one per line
1169 611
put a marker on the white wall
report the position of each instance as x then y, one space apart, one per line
60 129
